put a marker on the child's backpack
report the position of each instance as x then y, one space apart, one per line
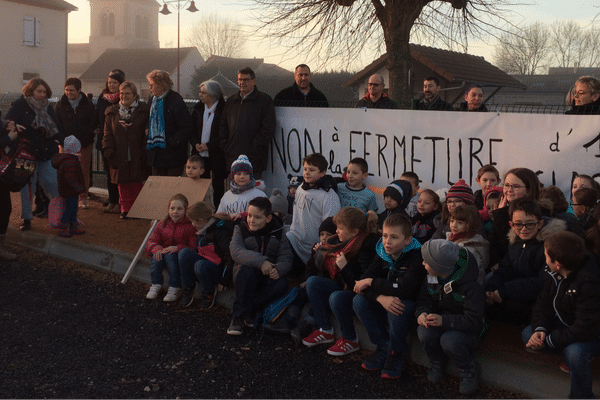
16 166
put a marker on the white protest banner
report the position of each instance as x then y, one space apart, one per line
441 147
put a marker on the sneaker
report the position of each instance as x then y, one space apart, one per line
173 294
187 296
249 321
469 379
62 232
208 300
235 327
282 325
302 330
25 225
76 230
317 337
394 364
436 372
377 359
153 292
564 367
343 347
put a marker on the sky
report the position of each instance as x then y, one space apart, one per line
582 11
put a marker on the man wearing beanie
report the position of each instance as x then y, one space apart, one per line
396 198
450 311
243 189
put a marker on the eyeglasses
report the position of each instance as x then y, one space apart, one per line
455 202
508 187
519 226
579 93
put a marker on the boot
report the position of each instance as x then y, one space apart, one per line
469 379
303 329
436 372
5 254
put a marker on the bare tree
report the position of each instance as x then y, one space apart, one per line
567 39
523 50
324 29
217 36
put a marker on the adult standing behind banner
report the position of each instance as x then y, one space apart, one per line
77 116
302 93
109 97
170 127
473 100
205 136
42 129
585 96
376 97
124 144
248 123
8 133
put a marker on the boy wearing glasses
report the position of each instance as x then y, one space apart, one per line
512 289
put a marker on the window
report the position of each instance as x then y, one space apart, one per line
111 24
104 26
31 31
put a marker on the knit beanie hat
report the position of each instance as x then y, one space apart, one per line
295 181
441 255
278 202
328 226
242 164
493 189
400 191
462 191
72 146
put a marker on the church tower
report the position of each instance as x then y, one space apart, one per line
123 24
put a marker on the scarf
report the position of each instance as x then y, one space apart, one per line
235 189
461 236
156 134
326 254
111 97
75 103
207 121
391 263
126 112
42 118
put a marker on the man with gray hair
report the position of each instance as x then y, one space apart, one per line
586 96
376 97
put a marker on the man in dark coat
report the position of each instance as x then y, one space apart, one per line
248 123
376 97
302 93
432 99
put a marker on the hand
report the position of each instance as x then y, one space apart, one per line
360 286
12 134
198 147
422 320
10 125
303 285
537 341
503 202
496 296
494 267
203 147
274 274
340 261
169 250
391 304
235 216
433 320
489 298
157 254
317 246
266 267
220 287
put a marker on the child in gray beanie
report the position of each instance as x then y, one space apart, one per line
450 311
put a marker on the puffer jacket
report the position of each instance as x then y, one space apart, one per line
69 174
181 234
79 122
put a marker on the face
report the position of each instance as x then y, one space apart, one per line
525 226
454 202
492 204
293 190
176 210
113 85
312 174
344 233
513 188
583 94
579 183
487 180
474 98
426 204
430 90
155 88
302 78
257 219
71 92
390 203
39 93
578 209
199 224
323 236
457 226
126 96
241 178
375 86
205 98
246 83
355 176
193 170
394 240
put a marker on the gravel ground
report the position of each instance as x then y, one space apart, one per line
72 332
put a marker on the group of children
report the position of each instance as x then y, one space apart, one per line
441 261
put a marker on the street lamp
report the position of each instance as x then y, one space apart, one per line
165 11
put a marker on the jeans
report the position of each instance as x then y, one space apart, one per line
458 345
578 357
194 268
340 302
254 291
377 319
170 262
319 289
46 174
69 216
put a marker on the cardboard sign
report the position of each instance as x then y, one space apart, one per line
153 200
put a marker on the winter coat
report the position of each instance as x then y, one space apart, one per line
80 122
423 227
480 248
464 106
69 174
437 104
216 236
568 309
293 97
247 127
41 147
520 273
181 234
585 109
383 102
178 129
400 278
216 154
101 105
356 266
268 244
498 237
461 304
125 148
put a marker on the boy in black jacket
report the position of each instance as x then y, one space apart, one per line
387 293
566 315
396 198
